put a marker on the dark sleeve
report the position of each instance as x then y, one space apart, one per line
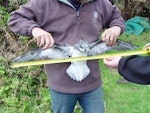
135 69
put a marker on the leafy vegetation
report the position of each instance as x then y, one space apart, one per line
24 90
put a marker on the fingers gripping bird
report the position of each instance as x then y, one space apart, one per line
83 48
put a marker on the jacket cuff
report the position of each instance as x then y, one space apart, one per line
30 29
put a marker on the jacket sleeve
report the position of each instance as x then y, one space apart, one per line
23 20
135 69
112 15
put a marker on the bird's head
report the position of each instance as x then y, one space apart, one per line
82 46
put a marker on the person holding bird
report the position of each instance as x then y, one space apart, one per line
63 22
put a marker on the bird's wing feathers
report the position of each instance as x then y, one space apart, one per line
37 53
29 55
101 47
98 48
53 53
56 51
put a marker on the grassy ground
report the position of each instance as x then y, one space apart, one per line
26 91
125 97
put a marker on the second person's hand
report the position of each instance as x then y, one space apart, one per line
112 62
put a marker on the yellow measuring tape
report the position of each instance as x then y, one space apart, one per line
70 59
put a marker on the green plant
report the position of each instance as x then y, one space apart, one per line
23 90
3 16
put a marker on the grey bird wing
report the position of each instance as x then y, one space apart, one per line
55 52
123 45
29 55
98 47
37 53
101 47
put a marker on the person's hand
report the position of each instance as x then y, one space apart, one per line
112 61
43 38
147 45
110 35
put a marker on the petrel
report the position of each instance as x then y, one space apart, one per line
82 48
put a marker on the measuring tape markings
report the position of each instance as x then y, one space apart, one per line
62 60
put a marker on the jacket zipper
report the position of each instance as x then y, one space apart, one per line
77 11
78 14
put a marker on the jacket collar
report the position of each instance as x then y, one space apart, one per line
68 3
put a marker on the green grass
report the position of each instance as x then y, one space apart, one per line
125 97
24 90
